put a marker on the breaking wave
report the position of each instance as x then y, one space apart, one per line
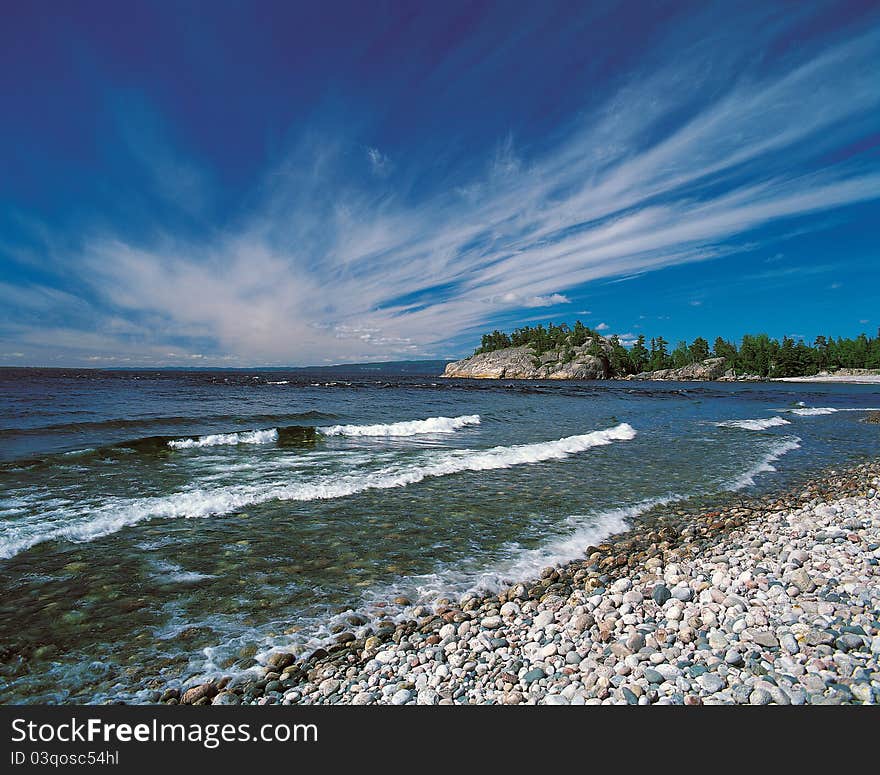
812 411
119 513
217 439
405 428
765 465
518 564
754 425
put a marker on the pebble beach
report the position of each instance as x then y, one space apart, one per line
770 600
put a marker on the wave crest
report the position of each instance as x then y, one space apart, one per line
218 439
405 428
754 425
122 513
811 411
765 465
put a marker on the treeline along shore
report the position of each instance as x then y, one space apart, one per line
578 352
768 600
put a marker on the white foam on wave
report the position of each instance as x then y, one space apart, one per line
78 452
405 428
122 512
765 465
278 382
519 564
217 439
813 411
754 425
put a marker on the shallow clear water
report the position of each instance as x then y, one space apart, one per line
140 537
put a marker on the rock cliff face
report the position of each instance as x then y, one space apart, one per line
522 363
710 369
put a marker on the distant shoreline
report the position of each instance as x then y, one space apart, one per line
842 379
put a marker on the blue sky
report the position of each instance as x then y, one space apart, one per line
266 183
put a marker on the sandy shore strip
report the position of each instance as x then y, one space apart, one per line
843 379
774 600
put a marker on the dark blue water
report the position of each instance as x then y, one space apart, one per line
154 524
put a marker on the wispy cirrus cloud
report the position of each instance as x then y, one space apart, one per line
323 265
380 164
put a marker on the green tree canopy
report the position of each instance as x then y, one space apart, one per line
756 354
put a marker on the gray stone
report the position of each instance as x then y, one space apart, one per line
765 638
718 640
760 697
819 637
740 693
660 594
635 642
789 643
849 642
734 657
509 610
669 672
779 695
711 682
543 619
801 579
226 698
862 692
685 594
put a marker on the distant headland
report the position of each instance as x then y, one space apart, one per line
578 352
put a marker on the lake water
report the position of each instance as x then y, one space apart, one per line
157 524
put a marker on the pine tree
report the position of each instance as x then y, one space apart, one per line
699 350
639 355
681 355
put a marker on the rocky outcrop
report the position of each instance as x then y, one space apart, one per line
731 376
710 369
523 363
578 363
